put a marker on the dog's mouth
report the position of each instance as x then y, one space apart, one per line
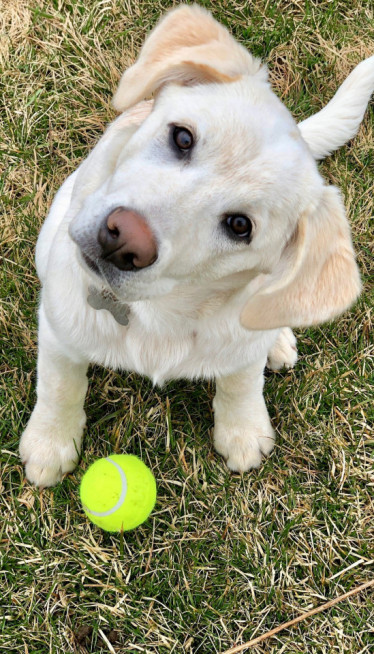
131 285
112 284
91 264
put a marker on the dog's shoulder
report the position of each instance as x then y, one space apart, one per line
52 223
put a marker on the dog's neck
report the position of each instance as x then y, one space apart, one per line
189 301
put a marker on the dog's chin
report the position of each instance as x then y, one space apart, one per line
126 287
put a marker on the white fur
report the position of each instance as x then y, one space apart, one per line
184 309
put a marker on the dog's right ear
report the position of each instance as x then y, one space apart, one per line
186 47
317 277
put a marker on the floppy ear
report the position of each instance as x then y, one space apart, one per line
187 47
317 277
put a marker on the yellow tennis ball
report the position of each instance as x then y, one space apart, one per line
118 493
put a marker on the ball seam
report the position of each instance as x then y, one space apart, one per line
122 497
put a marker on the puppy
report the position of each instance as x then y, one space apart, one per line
192 238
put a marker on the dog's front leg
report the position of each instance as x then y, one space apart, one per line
51 442
242 431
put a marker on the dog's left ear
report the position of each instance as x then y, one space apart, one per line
187 47
317 277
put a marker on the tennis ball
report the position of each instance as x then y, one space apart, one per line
118 493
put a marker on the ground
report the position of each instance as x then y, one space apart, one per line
223 557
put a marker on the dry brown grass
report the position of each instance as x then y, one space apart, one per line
223 557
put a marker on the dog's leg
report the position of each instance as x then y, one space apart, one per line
242 432
283 354
51 442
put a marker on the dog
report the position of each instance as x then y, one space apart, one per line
191 240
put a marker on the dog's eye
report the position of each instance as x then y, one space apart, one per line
238 225
182 138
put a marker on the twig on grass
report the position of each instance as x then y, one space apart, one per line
304 616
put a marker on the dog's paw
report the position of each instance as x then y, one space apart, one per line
49 450
243 446
284 351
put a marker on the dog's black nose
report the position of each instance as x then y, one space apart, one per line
127 241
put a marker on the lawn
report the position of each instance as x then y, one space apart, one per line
224 557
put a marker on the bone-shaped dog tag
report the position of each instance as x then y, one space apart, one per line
103 299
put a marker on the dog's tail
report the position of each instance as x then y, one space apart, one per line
339 121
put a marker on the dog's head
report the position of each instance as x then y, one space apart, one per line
211 182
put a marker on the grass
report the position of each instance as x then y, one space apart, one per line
223 557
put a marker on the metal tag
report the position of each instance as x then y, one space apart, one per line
104 299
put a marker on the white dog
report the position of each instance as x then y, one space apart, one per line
195 234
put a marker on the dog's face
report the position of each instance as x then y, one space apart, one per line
215 181
220 175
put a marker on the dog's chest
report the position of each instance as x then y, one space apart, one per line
164 346
170 339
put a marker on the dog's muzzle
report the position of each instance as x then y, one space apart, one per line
126 240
